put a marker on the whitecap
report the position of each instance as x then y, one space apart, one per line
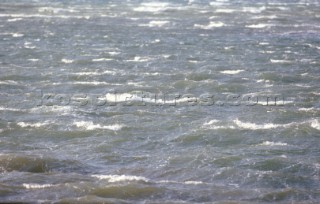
193 182
62 110
315 124
89 125
102 60
266 126
216 125
211 122
139 59
67 61
114 53
17 35
254 9
210 25
10 109
280 61
37 186
9 82
95 83
155 23
260 25
121 178
308 109
32 125
33 60
231 71
28 45
14 19
268 143
152 7
225 10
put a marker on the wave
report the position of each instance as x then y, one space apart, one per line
281 61
268 143
128 178
152 7
260 25
315 124
32 125
155 23
253 126
127 97
88 125
67 61
237 124
210 25
11 109
232 71
121 178
37 186
102 60
139 59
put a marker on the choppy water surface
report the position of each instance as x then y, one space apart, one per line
98 142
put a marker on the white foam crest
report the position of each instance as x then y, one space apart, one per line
273 102
152 7
210 25
37 186
17 35
90 73
232 71
225 10
120 178
126 178
137 84
139 59
254 9
14 19
253 126
315 124
28 45
89 125
33 60
280 61
62 110
86 73
211 122
113 53
215 125
43 16
9 82
193 182
268 143
151 74
67 61
265 17
91 83
10 109
32 125
155 23
260 25
308 109
102 60
185 182
52 10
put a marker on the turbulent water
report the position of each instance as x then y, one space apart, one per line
160 102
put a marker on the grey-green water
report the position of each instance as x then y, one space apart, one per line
94 105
